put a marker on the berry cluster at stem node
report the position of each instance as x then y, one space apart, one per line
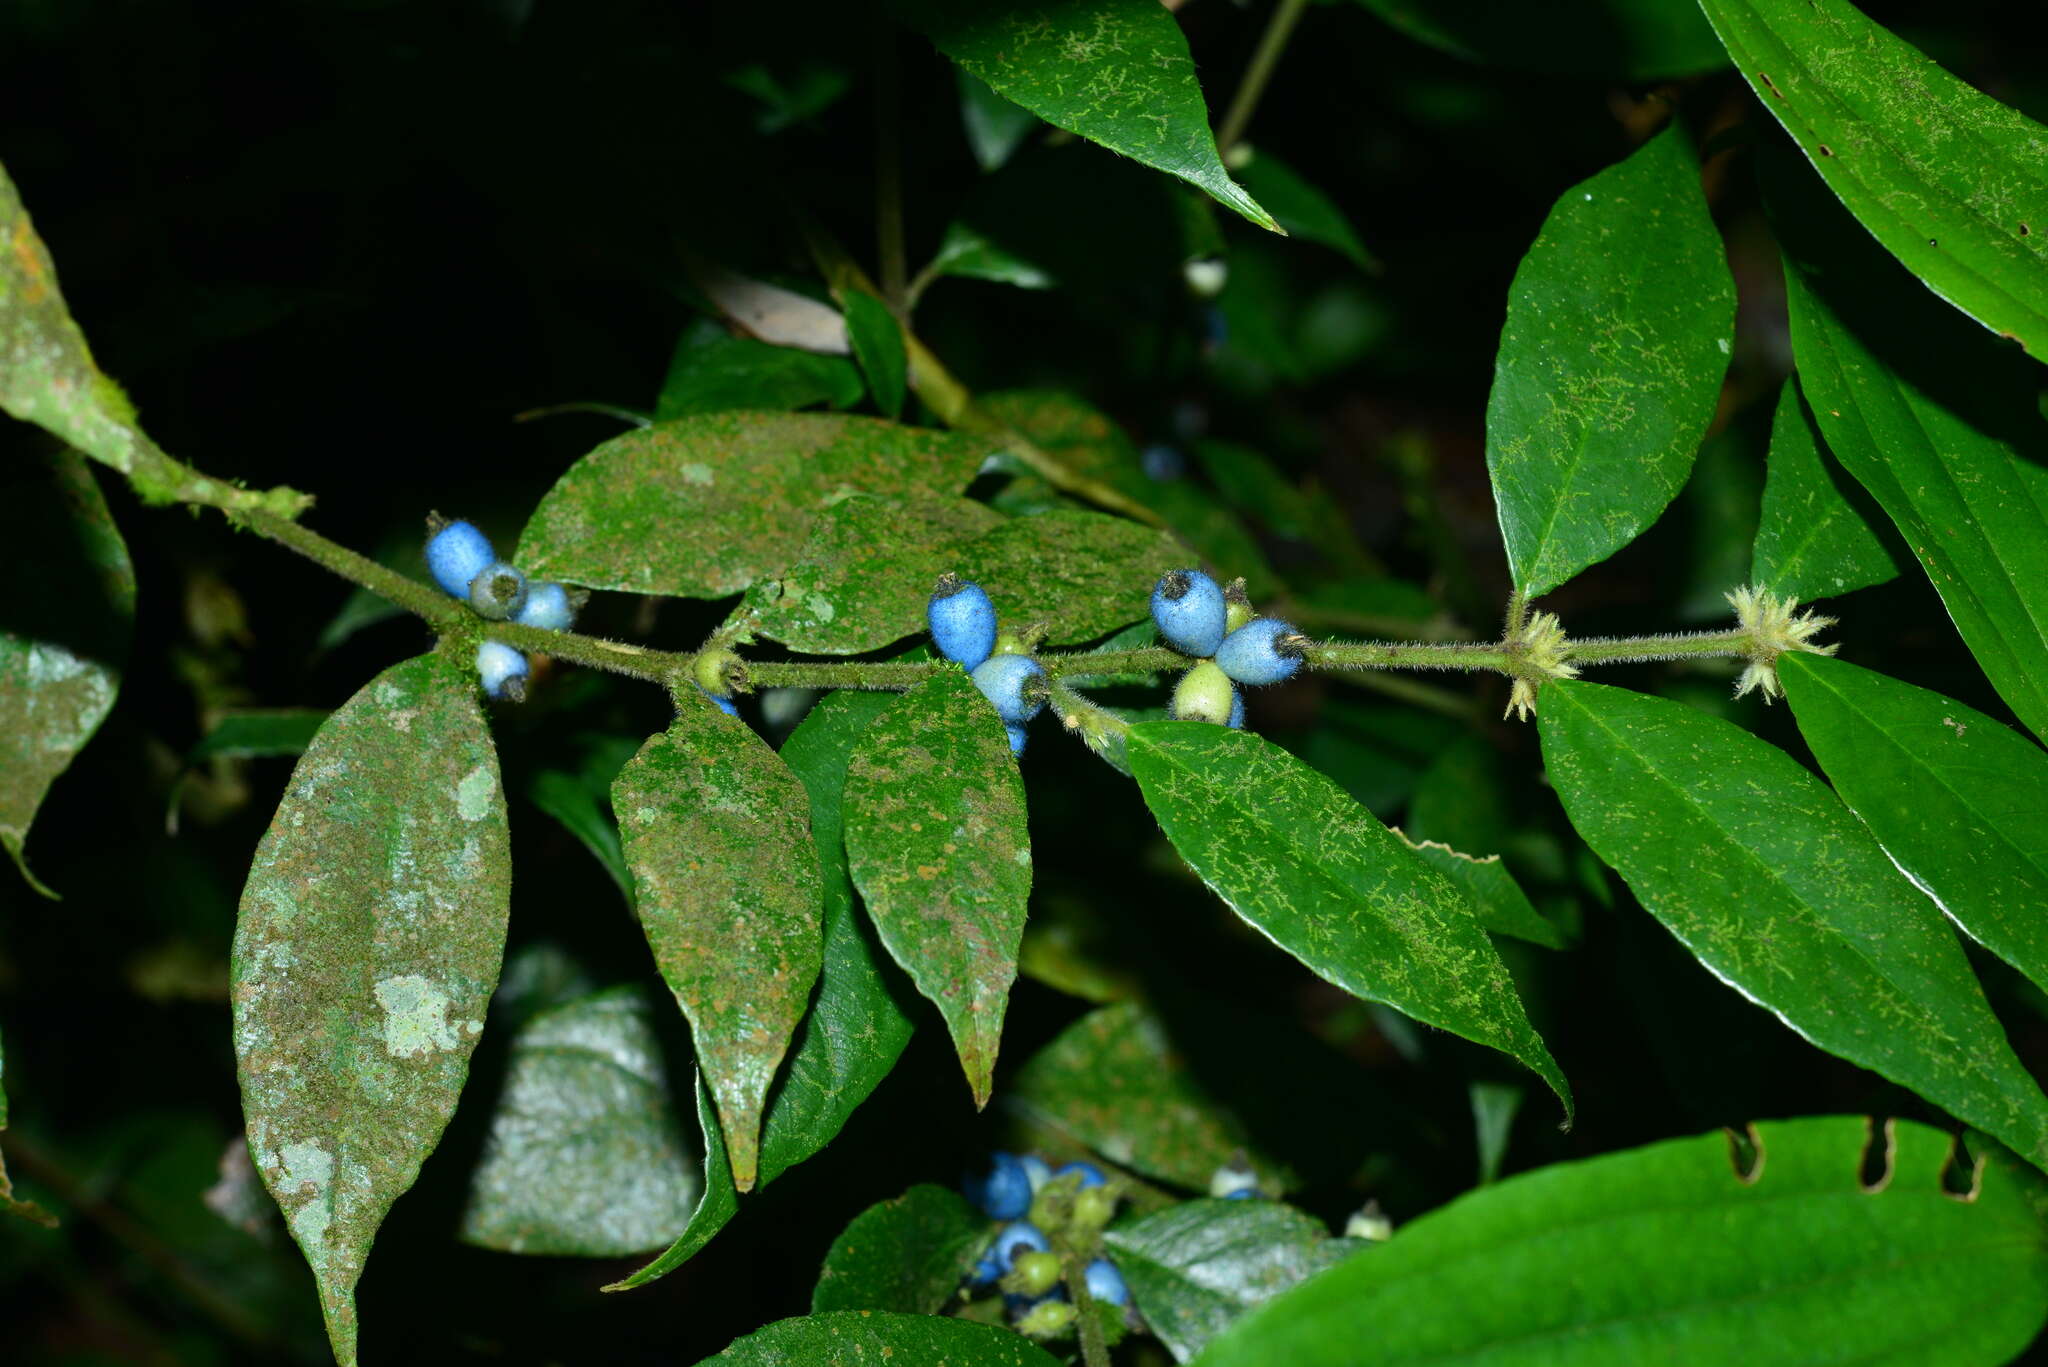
463 565
963 627
1052 1219
1231 645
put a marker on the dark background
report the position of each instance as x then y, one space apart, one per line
340 245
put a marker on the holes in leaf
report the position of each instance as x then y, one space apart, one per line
1962 1172
1876 1168
1746 1154
2025 230
1765 77
1825 150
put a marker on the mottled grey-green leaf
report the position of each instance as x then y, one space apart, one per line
1820 534
368 943
1772 884
586 1156
67 603
907 1254
717 832
1619 328
866 573
1081 574
937 844
1319 876
1195 1267
1117 72
704 506
874 1338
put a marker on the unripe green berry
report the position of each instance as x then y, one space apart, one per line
1093 1207
1047 1319
1204 693
1033 1274
719 672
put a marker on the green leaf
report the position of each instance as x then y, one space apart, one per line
586 1156
721 1201
1116 72
258 732
1640 39
1493 1121
1491 891
866 573
1820 534
1114 1082
1958 801
717 832
967 252
581 802
1935 427
1620 323
878 345
1946 178
366 949
704 506
1461 800
906 1255
995 127
1315 872
713 370
1081 574
874 1338
1666 1254
1195 1267
67 604
1303 210
1752 863
936 842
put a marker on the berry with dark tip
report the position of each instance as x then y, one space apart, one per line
456 554
498 593
1105 1283
1014 684
1005 1194
963 621
1205 693
1264 650
1234 1181
502 670
1187 607
547 606
1018 1237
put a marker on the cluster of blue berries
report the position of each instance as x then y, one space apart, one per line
963 623
462 562
1029 1195
1231 646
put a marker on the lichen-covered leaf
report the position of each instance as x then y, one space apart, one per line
866 572
586 1157
1195 1267
1619 328
1496 898
1820 535
1665 1254
1769 880
906 1255
1117 72
717 832
704 506
368 943
1081 574
67 603
1319 876
936 842
876 1338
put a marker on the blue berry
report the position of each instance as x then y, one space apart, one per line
1037 1169
1020 1236
1105 1283
1005 1194
725 705
1242 1194
456 555
987 1270
547 606
1003 680
1233 1182
963 621
1017 737
1236 722
498 593
1091 1176
1264 650
502 669
1187 607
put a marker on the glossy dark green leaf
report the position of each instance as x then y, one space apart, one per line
1772 884
258 732
1492 892
1939 449
865 1338
1820 533
878 345
704 506
1081 574
367 946
1947 178
1116 72
1718 512
67 603
1114 1082
995 127
586 1157
717 832
1620 324
712 370
866 573
1303 210
1641 39
967 252
1959 801
906 1255
1461 800
937 845
720 1202
1319 876
1666 1254
580 799
1493 1120
1195 1267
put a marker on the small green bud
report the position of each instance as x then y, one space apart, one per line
1204 693
1047 1319
1237 605
719 672
1033 1274
1093 1207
